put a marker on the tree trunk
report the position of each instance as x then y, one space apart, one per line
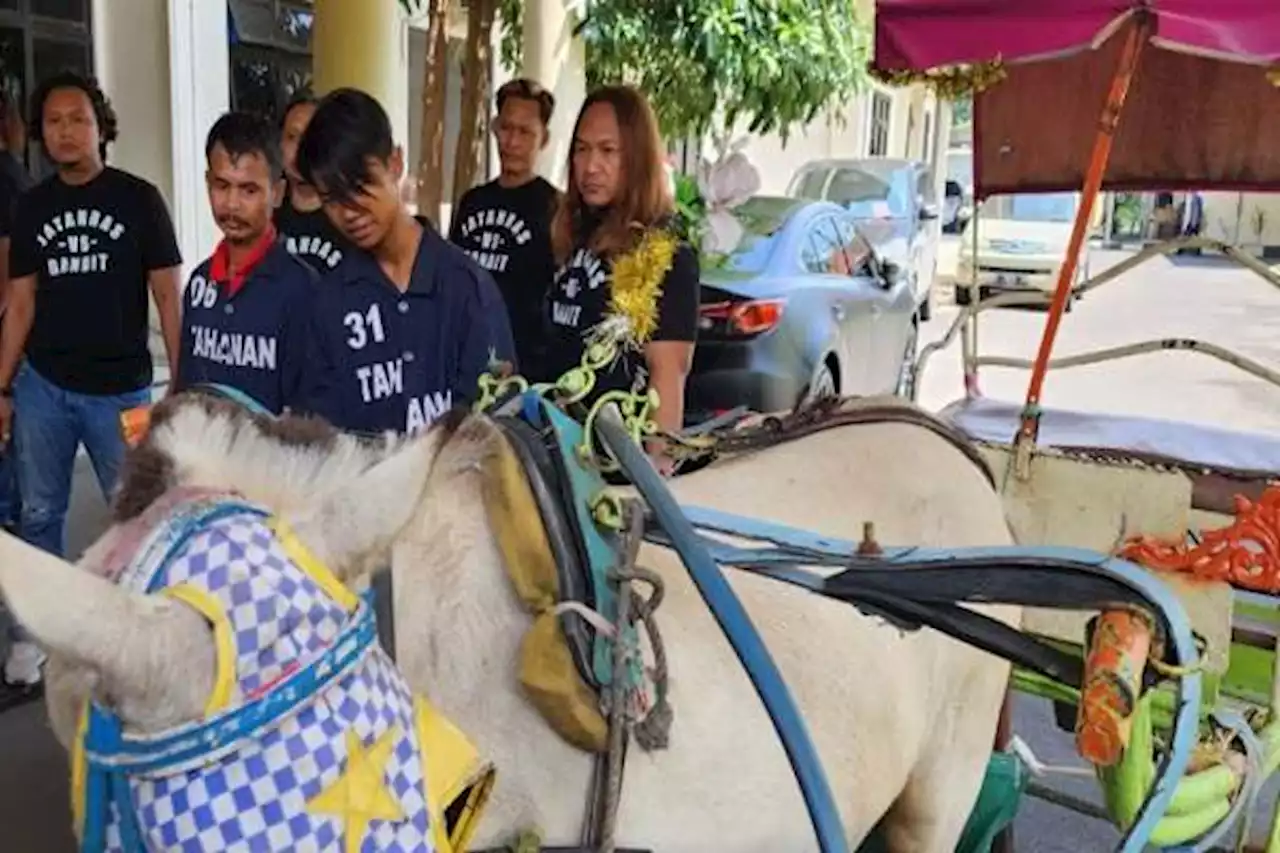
476 67
430 173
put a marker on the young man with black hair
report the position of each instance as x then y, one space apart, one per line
87 244
505 225
245 321
300 217
407 323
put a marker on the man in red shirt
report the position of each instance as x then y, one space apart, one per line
246 308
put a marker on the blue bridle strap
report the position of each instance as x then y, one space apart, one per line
235 395
111 755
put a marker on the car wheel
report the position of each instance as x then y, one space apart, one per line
907 370
823 384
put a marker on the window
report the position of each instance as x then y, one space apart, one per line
851 186
1033 207
812 184
856 248
62 10
878 138
926 187
270 53
39 38
823 251
50 56
253 84
763 220
13 63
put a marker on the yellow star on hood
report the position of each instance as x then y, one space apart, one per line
360 794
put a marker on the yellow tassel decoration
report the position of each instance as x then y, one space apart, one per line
636 283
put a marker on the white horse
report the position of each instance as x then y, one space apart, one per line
904 723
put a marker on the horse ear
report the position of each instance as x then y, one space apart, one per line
137 645
351 531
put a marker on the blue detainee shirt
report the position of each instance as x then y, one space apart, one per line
386 360
251 336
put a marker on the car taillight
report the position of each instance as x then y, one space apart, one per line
742 318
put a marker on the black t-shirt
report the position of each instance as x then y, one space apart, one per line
508 232
580 298
14 180
311 236
91 248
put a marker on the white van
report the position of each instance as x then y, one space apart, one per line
1022 242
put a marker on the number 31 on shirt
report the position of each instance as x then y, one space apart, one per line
363 326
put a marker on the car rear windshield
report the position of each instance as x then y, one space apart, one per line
867 194
1032 207
762 221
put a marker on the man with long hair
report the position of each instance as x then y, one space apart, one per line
246 320
87 244
407 323
618 191
505 224
300 217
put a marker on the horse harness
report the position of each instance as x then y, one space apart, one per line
548 444
831 413
311 738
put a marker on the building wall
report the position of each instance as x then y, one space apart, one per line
828 136
131 58
165 71
1248 220
165 65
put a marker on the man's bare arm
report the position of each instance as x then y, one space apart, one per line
166 289
669 364
4 272
20 294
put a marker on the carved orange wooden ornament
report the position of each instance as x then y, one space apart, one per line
1245 554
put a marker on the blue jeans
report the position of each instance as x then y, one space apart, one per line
9 500
49 424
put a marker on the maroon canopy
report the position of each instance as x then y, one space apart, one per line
1201 112
920 34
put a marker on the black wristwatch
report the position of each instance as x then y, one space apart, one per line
7 392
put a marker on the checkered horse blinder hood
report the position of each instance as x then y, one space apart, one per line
311 740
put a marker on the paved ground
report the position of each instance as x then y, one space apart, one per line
1185 298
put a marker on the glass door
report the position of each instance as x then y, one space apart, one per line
39 38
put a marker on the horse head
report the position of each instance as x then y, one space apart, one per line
151 658
213 637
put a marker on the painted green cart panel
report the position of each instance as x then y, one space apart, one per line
997 806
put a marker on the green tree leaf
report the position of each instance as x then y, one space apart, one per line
707 64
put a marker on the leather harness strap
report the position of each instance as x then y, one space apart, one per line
828 414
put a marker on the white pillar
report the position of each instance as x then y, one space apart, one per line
557 60
941 142
199 92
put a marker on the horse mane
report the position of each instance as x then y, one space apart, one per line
196 439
